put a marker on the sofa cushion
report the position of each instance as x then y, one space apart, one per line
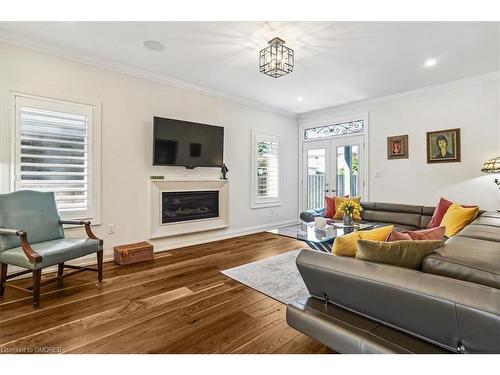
398 227
406 253
392 213
468 259
481 232
487 220
52 252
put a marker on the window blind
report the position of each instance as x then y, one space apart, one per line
267 169
52 155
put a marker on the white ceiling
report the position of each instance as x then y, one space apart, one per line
336 62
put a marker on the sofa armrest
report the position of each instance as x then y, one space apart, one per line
31 254
309 215
456 315
88 228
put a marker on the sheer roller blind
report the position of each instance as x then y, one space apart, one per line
53 144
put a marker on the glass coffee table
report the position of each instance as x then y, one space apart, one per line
318 239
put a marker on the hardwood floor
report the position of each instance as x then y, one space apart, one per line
178 303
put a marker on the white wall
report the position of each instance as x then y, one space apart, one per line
127 106
470 105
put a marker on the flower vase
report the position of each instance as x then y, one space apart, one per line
348 220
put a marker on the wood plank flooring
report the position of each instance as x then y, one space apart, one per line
178 303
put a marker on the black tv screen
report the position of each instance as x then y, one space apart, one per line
187 144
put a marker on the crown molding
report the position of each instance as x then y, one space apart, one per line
408 94
133 71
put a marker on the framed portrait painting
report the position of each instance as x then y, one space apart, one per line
397 147
443 146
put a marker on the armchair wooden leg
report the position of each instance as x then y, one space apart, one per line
37 279
3 278
99 265
60 272
60 269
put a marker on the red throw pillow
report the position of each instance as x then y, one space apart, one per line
427 234
418 235
398 236
439 212
330 207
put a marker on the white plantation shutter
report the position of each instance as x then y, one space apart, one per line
266 170
53 153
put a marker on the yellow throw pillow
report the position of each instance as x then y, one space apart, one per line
457 218
339 200
377 234
346 245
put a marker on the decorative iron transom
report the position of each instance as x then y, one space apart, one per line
351 127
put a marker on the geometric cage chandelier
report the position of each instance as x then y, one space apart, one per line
276 60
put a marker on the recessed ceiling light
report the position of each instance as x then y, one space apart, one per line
430 63
153 45
300 98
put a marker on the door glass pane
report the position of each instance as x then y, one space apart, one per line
316 168
347 171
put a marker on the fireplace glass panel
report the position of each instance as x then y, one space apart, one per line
189 205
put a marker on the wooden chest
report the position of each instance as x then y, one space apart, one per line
133 253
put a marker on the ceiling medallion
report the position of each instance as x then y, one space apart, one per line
276 60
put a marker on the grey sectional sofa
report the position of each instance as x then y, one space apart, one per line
452 305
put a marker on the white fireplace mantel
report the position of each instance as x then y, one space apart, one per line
158 230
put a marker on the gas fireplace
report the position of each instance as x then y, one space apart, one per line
189 205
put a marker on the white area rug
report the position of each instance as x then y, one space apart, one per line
276 277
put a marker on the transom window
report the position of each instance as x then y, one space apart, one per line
54 153
343 128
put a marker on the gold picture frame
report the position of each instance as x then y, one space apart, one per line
443 146
397 147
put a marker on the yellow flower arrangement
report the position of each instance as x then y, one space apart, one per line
350 207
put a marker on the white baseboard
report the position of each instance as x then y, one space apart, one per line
109 256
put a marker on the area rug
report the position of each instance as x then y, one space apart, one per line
276 277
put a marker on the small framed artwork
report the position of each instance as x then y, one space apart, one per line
443 146
397 147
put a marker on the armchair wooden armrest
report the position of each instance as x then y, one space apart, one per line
88 228
25 245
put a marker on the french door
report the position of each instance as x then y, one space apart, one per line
332 167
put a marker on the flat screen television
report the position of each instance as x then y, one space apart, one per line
187 144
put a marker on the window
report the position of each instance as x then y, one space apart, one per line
53 152
351 127
266 170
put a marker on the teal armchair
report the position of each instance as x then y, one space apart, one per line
32 237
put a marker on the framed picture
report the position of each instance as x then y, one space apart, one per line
397 147
443 146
